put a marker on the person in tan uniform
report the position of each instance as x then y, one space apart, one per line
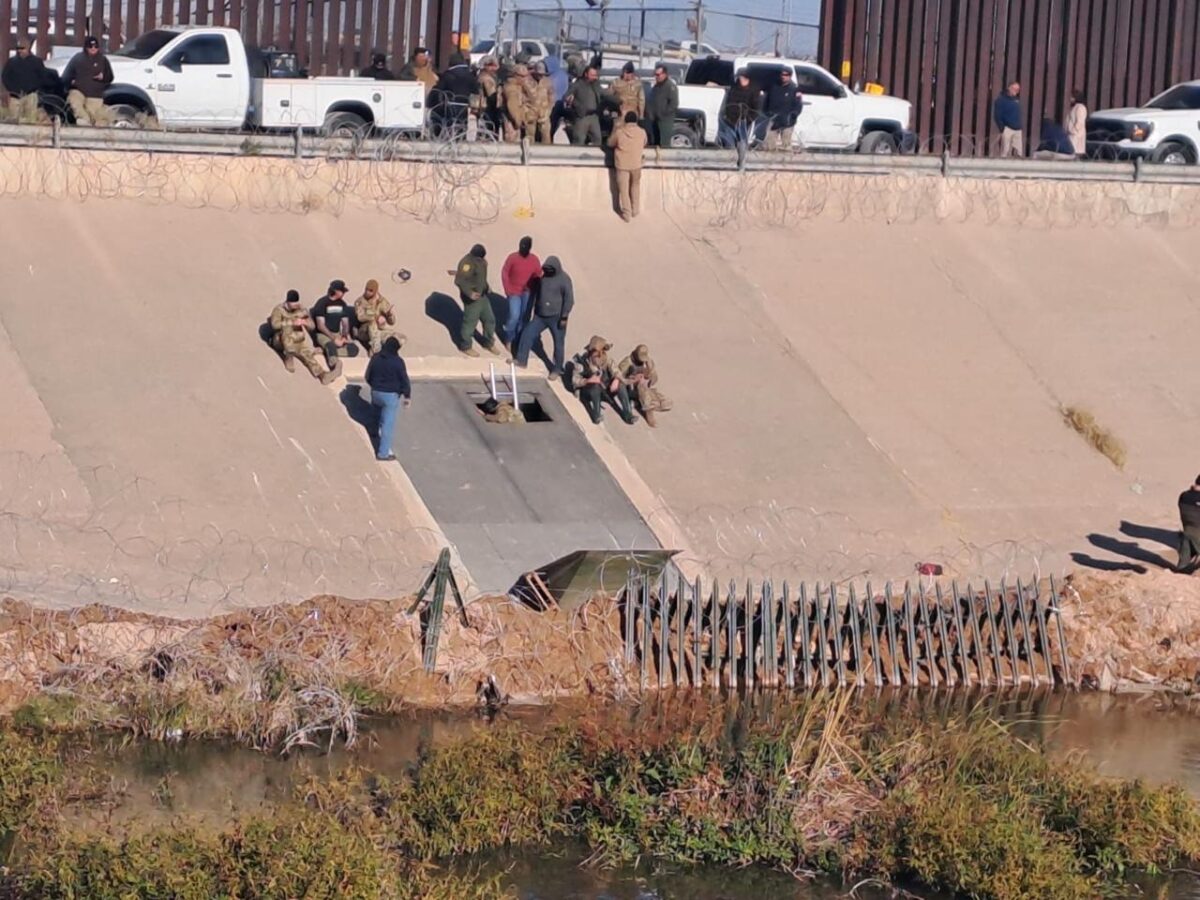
628 93
516 99
628 141
291 326
487 102
420 69
376 318
540 105
638 371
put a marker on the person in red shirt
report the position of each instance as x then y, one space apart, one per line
520 271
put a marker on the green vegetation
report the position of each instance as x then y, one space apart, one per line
959 806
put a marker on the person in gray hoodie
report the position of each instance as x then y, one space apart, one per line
553 299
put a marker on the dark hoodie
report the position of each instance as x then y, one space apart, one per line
554 294
387 373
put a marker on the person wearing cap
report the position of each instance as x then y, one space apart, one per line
743 104
471 279
291 327
452 95
637 371
628 141
552 300
86 78
486 102
582 105
1189 535
539 103
662 108
628 94
516 99
596 379
375 317
23 76
419 68
560 82
387 377
783 107
334 319
378 69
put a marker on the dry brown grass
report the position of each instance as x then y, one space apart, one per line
1103 440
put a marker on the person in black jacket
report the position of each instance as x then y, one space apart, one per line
662 106
783 107
743 105
378 69
387 376
1189 535
553 299
452 94
24 75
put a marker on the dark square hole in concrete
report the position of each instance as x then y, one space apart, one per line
532 409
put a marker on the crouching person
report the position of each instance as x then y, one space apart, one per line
387 376
290 326
376 318
333 317
597 380
638 372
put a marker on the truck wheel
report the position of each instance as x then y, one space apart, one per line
344 125
1172 153
125 116
878 142
684 137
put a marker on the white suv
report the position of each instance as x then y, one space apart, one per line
1165 130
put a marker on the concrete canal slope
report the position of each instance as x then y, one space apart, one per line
867 372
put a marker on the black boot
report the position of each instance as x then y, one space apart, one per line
625 408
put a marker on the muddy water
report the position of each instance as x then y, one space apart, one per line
1144 736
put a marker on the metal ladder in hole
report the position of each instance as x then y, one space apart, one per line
506 389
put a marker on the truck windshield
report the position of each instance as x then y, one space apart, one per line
146 45
1183 96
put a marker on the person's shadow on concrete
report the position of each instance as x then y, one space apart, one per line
361 411
1136 557
448 312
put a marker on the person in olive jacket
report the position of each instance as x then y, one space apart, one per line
662 107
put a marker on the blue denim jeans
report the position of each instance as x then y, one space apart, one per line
518 315
389 407
730 136
532 334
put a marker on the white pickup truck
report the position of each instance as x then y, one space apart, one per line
1165 130
834 117
201 77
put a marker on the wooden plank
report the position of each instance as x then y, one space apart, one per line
965 80
133 20
943 75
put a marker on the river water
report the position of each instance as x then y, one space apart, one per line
1146 736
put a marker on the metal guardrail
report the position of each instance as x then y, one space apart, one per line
303 145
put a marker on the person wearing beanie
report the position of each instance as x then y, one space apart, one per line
471 279
1189 535
597 380
378 69
290 330
376 318
628 94
420 69
387 377
520 271
638 372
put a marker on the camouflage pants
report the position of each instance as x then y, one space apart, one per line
651 399
89 110
301 351
374 335
541 128
512 132
25 109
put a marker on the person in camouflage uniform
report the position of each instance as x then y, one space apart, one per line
596 379
376 318
638 371
540 104
516 102
628 93
502 412
486 103
291 325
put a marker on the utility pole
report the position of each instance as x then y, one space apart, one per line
500 13
699 25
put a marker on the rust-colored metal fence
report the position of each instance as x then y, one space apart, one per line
331 37
950 58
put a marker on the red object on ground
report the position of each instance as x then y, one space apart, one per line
929 569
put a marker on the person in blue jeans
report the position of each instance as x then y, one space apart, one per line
553 299
387 376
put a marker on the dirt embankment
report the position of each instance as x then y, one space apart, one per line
371 650
1128 630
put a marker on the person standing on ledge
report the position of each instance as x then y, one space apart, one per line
1189 536
628 141
1006 110
387 376
471 279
